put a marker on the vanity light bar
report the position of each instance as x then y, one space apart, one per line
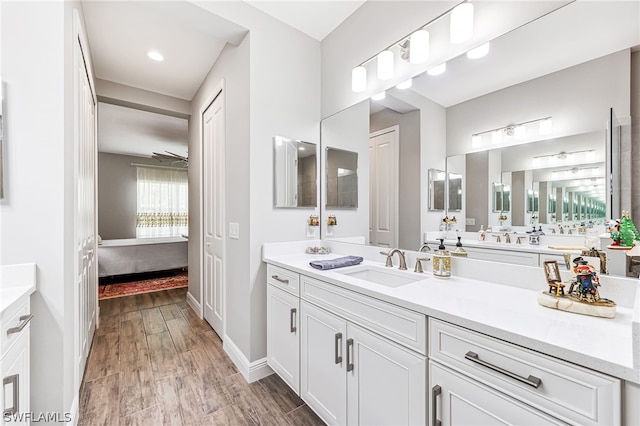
518 131
565 157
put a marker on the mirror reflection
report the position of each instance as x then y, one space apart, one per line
294 171
342 178
436 189
532 165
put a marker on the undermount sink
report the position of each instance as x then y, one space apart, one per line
382 276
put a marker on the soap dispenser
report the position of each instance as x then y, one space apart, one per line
442 262
459 251
481 234
534 237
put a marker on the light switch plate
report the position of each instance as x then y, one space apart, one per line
234 230
470 221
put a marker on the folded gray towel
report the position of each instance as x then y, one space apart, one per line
339 262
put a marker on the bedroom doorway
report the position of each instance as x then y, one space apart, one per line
213 211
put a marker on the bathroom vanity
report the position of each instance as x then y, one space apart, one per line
17 283
368 344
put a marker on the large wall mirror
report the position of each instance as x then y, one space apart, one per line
294 173
543 176
342 179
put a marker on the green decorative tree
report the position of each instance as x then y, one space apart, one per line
628 231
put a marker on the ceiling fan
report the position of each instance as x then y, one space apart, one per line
175 159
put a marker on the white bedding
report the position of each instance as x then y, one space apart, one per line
136 255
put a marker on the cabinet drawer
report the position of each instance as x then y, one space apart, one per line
398 324
284 279
569 392
11 320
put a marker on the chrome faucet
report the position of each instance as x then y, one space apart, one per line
508 238
389 264
424 247
419 261
498 240
519 240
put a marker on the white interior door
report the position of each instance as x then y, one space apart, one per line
213 134
383 181
85 149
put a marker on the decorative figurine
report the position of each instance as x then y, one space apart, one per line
623 232
583 296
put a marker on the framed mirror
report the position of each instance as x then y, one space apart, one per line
342 179
455 192
437 182
294 173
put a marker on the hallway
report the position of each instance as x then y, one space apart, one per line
153 362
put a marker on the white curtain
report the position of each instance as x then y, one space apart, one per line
162 202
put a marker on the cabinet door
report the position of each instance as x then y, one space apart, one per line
283 336
15 375
455 399
386 384
323 365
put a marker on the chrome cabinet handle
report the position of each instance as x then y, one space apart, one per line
349 355
531 380
277 278
24 320
292 317
15 381
435 392
337 348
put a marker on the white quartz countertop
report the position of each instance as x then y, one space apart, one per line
490 244
611 346
16 283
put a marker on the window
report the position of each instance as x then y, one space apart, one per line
162 202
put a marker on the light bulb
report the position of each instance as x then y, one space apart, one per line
385 65
520 132
379 96
155 55
437 70
405 84
546 126
476 141
496 137
479 51
419 47
461 28
359 79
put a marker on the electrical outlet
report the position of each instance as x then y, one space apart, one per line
234 230
470 221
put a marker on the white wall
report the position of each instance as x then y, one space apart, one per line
36 216
118 194
578 99
348 130
283 72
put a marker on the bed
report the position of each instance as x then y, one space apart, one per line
137 255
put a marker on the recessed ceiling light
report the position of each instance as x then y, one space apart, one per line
155 55
479 51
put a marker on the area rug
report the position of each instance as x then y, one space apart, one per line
109 291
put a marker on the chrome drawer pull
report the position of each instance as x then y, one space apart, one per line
24 320
277 278
531 380
435 392
337 347
15 381
292 320
349 355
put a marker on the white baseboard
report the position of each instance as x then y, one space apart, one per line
251 371
195 305
75 411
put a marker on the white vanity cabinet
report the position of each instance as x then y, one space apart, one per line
14 363
283 325
473 376
363 361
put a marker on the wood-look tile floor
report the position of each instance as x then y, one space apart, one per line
154 362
